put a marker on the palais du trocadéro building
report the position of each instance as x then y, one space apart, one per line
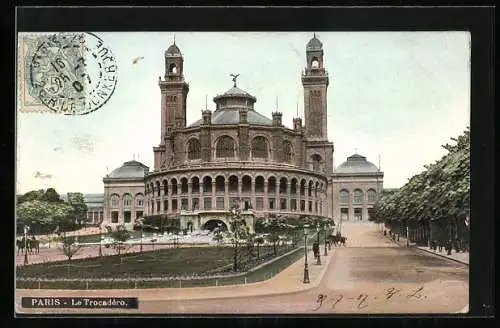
235 155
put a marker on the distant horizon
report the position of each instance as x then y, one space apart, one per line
400 95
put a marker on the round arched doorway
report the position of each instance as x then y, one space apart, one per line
212 224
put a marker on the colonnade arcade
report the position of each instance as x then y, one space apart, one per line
283 194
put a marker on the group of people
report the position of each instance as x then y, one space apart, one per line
31 244
336 240
441 243
458 245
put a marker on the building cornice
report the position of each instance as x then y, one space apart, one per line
239 166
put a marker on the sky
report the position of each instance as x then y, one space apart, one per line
397 96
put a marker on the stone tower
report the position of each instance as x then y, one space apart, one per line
315 83
319 150
174 92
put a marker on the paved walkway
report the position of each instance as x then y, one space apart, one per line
458 257
56 254
79 232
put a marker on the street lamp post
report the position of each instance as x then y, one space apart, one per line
318 262
26 229
306 268
141 223
326 252
100 242
339 230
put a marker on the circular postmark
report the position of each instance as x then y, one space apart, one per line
72 73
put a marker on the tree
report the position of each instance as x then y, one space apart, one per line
50 195
259 240
77 202
275 226
33 211
238 231
30 196
140 222
69 247
217 235
61 214
438 196
120 235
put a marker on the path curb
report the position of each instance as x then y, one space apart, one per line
442 256
299 289
430 252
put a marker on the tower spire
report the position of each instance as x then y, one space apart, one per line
206 102
174 39
276 103
297 108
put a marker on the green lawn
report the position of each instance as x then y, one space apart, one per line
162 262
159 263
261 274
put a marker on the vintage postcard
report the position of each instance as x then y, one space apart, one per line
198 172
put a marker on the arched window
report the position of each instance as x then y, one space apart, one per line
158 188
139 200
315 63
174 186
357 196
194 149
172 68
287 151
372 195
115 200
127 200
225 147
259 147
316 162
344 196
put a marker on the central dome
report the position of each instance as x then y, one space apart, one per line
235 97
228 107
235 91
130 169
356 164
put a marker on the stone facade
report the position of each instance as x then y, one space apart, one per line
233 154
124 200
357 185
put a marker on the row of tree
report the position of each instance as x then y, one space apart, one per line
279 230
433 205
44 211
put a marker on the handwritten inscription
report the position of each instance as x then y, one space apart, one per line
362 300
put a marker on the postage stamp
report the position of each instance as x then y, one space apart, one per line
65 73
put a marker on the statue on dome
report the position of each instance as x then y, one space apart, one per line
235 76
